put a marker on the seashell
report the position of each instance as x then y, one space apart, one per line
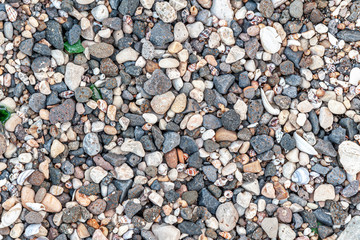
191 171
220 182
127 19
180 167
163 169
12 189
184 14
304 146
228 194
192 67
267 105
301 176
11 216
67 94
11 13
205 33
225 235
213 70
147 127
35 206
32 230
23 176
124 219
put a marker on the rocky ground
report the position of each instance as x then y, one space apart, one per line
179 119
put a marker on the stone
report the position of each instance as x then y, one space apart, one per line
236 53
266 8
354 76
54 34
161 103
349 153
270 226
37 102
165 232
352 229
165 11
222 9
91 144
270 40
158 83
262 143
296 9
285 232
227 216
51 203
73 75
223 83
326 118
227 35
336 107
127 54
56 148
100 12
324 192
63 113
101 50
133 146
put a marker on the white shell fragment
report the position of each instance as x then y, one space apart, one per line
304 146
23 176
301 176
267 105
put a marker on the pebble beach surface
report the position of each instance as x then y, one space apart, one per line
179 119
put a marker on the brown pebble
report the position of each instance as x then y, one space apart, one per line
36 178
40 194
171 158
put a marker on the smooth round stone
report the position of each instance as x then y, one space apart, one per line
169 63
91 144
179 104
101 50
336 107
100 13
83 94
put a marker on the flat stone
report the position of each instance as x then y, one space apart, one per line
62 113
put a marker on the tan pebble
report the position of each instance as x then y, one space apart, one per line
13 121
211 60
82 199
82 231
27 196
179 104
175 47
44 114
194 122
44 168
268 190
51 203
111 112
110 130
253 167
225 135
56 148
9 203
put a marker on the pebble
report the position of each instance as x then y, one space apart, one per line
73 75
324 192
